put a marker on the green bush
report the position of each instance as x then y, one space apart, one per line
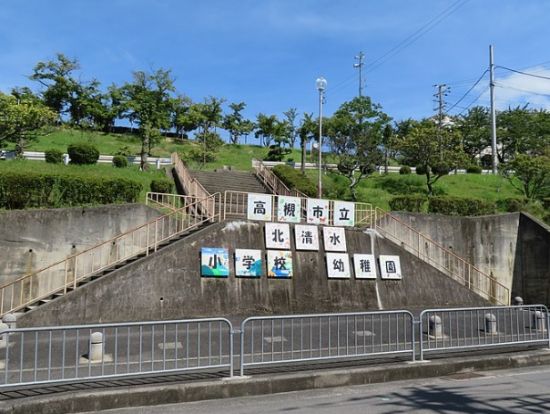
473 169
120 161
294 179
405 170
83 153
36 190
276 153
512 204
415 203
53 156
421 169
460 206
161 186
394 184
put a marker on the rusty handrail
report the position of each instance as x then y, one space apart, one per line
273 182
190 184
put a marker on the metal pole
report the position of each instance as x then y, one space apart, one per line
320 189
493 112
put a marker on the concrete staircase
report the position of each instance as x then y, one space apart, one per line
225 180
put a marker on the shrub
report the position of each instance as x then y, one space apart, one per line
294 179
83 153
440 170
473 169
120 161
421 169
161 186
405 170
276 153
512 204
414 203
53 156
400 185
37 190
460 206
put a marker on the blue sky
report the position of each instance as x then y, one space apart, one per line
269 53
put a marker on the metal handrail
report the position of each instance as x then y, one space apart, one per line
65 274
190 184
463 271
270 180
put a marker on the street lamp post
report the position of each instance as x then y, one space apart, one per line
321 86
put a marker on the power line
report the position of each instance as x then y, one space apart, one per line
500 85
469 90
416 35
474 101
524 73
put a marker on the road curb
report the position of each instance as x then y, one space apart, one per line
135 396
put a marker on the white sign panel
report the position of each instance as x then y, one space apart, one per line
289 209
248 263
306 237
390 267
365 266
259 207
317 211
338 266
277 236
343 213
335 239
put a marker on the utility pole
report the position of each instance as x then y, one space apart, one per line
359 66
442 92
493 111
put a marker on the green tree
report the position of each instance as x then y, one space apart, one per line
475 128
21 120
533 174
355 132
235 123
148 101
307 130
205 118
292 129
437 157
266 128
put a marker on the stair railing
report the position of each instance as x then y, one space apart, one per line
65 275
272 182
190 184
441 258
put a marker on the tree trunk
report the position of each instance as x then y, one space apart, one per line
19 147
303 163
429 182
144 146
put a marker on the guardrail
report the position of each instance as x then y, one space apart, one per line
300 338
441 258
48 355
190 184
65 275
236 204
271 181
477 328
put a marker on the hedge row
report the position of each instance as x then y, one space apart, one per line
294 179
451 206
38 190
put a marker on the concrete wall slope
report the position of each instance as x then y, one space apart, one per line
33 239
134 292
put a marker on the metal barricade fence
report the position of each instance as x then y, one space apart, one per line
487 327
46 355
300 338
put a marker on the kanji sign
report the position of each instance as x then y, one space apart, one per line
343 213
214 262
335 239
248 263
365 266
317 211
259 207
338 266
390 267
306 237
289 209
279 264
277 236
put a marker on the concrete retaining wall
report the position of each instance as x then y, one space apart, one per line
134 292
33 239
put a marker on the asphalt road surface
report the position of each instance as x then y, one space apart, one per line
510 391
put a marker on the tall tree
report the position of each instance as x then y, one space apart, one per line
475 128
22 120
207 117
148 102
355 132
235 123
266 128
435 156
529 174
290 118
306 132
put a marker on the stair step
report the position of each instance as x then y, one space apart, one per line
30 307
45 300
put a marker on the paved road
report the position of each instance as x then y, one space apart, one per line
512 391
